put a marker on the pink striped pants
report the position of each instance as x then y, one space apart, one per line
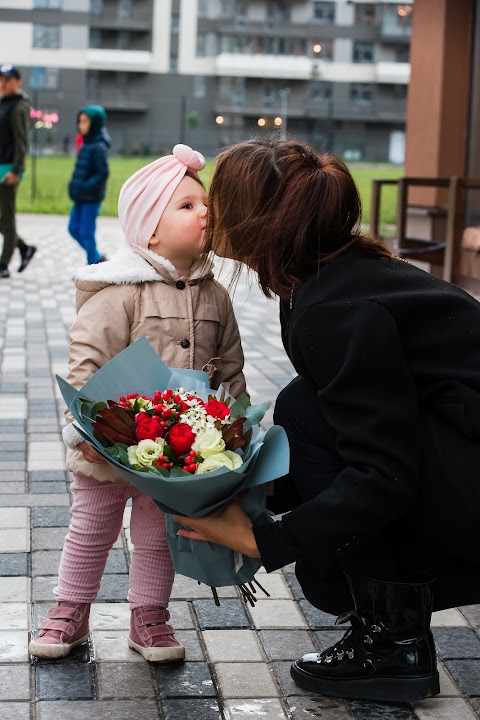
97 514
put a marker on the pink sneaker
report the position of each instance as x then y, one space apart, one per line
152 637
65 627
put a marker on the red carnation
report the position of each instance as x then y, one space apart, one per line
149 429
217 409
181 438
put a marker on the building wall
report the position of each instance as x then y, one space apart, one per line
171 69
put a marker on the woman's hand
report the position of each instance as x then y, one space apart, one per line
89 454
232 528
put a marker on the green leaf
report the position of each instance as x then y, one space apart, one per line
97 407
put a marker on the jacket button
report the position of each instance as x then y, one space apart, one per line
185 343
181 286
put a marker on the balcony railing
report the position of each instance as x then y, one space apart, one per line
124 101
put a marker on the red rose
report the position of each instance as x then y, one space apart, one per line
149 429
181 438
217 409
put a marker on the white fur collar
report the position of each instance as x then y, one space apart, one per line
126 267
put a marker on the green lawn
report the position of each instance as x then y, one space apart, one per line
53 173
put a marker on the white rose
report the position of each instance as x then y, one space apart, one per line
146 452
209 443
226 459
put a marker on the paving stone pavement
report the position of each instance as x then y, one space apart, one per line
238 658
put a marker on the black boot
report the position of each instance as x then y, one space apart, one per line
388 654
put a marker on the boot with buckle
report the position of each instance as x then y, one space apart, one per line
152 637
388 654
65 627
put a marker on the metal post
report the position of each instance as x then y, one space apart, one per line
284 93
33 187
183 113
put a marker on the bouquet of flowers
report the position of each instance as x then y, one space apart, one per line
172 429
192 450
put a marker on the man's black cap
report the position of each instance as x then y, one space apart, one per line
10 71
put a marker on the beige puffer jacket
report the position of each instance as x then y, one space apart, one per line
190 323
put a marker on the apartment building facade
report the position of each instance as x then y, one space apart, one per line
212 72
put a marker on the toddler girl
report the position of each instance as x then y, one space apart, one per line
157 286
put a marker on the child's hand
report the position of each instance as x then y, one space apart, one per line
89 454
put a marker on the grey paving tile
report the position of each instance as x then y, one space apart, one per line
472 614
35 476
230 614
48 487
11 476
294 585
50 517
98 710
475 702
285 644
466 674
14 710
316 618
14 564
287 686
197 709
325 638
306 708
125 680
14 683
380 711
80 655
12 487
48 538
187 679
113 588
64 681
456 642
191 642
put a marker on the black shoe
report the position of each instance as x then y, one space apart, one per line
27 252
4 271
387 655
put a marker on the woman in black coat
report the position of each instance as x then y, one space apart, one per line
383 421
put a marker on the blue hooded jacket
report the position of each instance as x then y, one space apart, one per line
89 179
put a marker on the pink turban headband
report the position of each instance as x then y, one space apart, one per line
146 194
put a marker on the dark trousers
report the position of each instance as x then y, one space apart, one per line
82 227
314 465
8 229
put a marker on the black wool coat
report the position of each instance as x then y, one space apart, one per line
394 353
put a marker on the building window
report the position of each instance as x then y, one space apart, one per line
46 36
278 11
321 49
125 9
199 87
96 7
236 44
42 78
175 24
363 52
93 84
365 14
400 92
48 4
402 54
202 9
201 45
278 46
123 40
324 12
95 38
361 93
227 8
232 90
320 92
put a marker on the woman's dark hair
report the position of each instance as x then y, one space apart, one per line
284 210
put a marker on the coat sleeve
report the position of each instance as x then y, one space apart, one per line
101 331
19 124
230 352
354 356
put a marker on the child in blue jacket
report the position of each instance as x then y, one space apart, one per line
89 180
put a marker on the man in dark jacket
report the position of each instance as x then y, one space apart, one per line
14 124
88 183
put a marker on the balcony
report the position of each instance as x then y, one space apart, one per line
128 102
133 60
109 19
294 67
